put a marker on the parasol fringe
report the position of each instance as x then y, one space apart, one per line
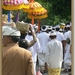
38 17
15 7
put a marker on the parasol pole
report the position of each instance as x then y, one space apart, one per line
38 25
9 16
32 21
31 0
17 17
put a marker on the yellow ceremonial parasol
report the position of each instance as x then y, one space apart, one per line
33 6
36 11
37 17
14 4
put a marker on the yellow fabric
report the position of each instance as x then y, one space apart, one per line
15 7
38 16
35 7
54 71
62 26
41 9
34 4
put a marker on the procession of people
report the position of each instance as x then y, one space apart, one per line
29 52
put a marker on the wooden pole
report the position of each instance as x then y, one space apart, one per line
38 25
32 21
9 16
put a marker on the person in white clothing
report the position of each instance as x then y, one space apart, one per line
44 39
60 36
34 49
27 42
23 43
67 57
53 55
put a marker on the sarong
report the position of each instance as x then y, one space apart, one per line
41 59
54 71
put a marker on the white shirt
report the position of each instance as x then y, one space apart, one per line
54 54
60 36
44 39
67 58
67 35
35 48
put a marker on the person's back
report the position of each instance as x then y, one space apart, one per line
56 53
60 36
44 39
34 49
16 61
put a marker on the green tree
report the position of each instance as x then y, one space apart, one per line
58 10
4 11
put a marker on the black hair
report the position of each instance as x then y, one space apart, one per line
23 35
68 28
68 23
23 43
43 27
15 38
53 28
29 33
53 37
57 29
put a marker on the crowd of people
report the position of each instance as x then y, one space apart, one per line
22 51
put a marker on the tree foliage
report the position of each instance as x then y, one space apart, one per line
4 11
58 10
